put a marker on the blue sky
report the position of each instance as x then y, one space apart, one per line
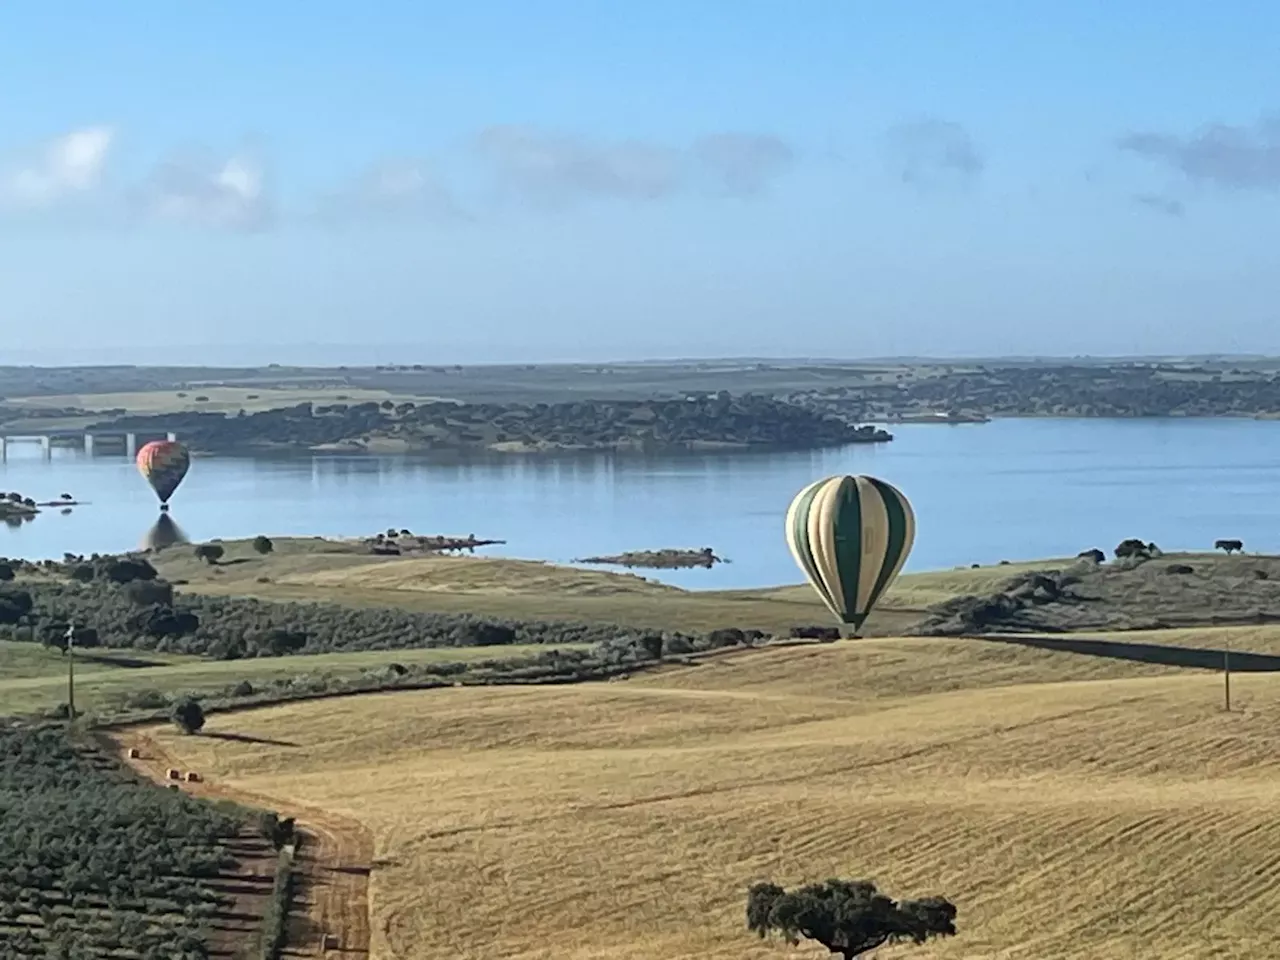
246 182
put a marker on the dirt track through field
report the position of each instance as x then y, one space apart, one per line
335 858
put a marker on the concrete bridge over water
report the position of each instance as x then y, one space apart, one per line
90 440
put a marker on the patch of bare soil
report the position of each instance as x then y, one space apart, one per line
331 910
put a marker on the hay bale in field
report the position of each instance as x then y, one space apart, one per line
133 753
193 777
173 774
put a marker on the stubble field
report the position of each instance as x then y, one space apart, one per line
1072 806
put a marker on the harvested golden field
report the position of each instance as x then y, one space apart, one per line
1072 806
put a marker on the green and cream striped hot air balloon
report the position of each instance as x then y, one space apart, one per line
850 535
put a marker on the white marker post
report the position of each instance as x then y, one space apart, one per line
71 672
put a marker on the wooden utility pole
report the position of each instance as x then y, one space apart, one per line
1226 674
71 671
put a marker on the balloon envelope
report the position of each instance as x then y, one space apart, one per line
850 535
163 463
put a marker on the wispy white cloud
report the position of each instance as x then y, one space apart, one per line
394 189
199 189
552 168
65 166
934 153
546 168
1226 155
744 164
1158 203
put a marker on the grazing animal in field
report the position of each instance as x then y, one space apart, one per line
1229 546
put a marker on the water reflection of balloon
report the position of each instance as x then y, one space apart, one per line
163 533
163 463
850 535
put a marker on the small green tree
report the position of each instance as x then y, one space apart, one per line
847 917
150 592
1133 547
14 605
278 831
210 553
188 715
263 545
281 641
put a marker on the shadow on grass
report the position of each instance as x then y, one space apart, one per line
245 738
1194 657
126 663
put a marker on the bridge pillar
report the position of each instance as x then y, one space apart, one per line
88 444
46 447
131 444
4 449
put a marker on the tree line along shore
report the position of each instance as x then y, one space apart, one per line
531 408
719 421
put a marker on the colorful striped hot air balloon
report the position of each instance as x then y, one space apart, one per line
850 535
163 463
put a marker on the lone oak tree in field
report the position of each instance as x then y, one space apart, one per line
1133 547
846 917
188 715
210 553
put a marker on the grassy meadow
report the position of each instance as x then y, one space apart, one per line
1072 806
316 569
34 678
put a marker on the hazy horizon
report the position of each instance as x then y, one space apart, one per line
239 185
329 356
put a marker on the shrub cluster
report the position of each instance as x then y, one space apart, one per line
144 613
94 862
613 658
276 920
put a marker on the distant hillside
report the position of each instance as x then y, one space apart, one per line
702 422
1138 593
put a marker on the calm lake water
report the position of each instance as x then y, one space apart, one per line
1009 489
